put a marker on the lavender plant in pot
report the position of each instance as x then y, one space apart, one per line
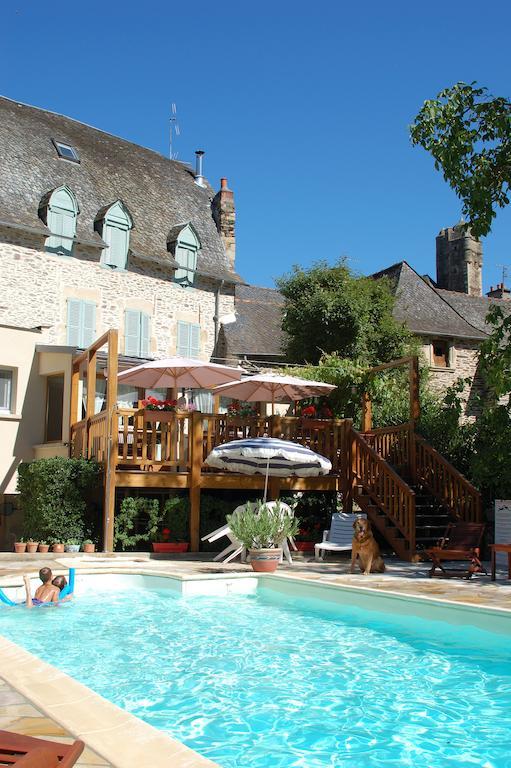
262 529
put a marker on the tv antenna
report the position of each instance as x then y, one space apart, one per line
174 131
505 272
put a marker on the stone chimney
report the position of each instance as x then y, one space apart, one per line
224 215
459 261
499 292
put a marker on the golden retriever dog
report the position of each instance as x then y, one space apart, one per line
364 547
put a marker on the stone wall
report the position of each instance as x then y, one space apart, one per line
36 286
462 365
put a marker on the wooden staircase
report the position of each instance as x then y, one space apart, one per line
407 489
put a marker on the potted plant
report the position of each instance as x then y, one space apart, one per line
173 535
43 547
158 410
88 546
57 546
20 546
262 529
32 546
72 545
240 409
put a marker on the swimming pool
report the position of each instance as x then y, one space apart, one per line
277 677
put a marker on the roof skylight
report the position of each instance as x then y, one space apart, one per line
66 151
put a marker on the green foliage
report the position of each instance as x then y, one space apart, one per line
495 355
176 513
313 510
53 496
127 531
331 310
258 526
468 132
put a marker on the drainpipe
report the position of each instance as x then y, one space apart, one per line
216 318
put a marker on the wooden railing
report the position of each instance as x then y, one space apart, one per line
148 439
446 484
79 439
393 444
98 437
388 491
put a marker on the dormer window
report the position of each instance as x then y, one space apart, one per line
185 244
114 224
59 210
66 151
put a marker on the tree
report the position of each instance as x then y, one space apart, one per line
329 309
468 132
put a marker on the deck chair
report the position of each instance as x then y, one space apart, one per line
234 548
461 542
339 537
17 750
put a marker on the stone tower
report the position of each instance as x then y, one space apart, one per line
459 261
224 215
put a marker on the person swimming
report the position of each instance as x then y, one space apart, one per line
48 592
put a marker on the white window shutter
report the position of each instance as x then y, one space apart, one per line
145 334
183 339
74 322
194 340
117 250
88 323
132 333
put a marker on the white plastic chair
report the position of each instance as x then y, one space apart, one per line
285 510
340 536
235 546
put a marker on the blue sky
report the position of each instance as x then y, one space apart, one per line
303 106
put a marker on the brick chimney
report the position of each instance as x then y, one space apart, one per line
224 215
459 261
499 292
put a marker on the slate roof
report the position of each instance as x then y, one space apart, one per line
474 308
159 193
258 327
426 310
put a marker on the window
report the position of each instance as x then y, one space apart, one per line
6 390
187 246
66 151
136 333
440 354
81 323
59 213
114 224
54 408
188 339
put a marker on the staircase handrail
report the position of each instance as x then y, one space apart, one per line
443 492
401 514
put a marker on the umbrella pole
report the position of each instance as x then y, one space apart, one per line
266 480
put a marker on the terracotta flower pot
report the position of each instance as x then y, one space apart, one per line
265 560
57 548
44 548
89 548
170 546
32 546
304 546
20 547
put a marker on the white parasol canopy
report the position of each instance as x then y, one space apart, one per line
274 388
179 372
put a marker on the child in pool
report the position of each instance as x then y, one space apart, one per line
46 593
60 582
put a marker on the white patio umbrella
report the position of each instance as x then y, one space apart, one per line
273 388
179 372
269 456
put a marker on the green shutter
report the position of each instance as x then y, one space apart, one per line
132 333
194 340
183 339
88 323
145 334
61 221
117 251
74 316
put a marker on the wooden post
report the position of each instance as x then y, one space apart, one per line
415 405
73 408
348 505
276 426
112 439
195 478
216 403
367 413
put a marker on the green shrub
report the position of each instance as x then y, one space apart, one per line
176 513
53 496
127 532
261 527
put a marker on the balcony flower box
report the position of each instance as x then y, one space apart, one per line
164 547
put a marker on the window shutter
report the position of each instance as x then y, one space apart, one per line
194 340
74 316
88 323
145 334
68 229
183 339
132 333
117 250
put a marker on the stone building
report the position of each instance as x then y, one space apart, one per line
97 233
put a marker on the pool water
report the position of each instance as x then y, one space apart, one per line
252 681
